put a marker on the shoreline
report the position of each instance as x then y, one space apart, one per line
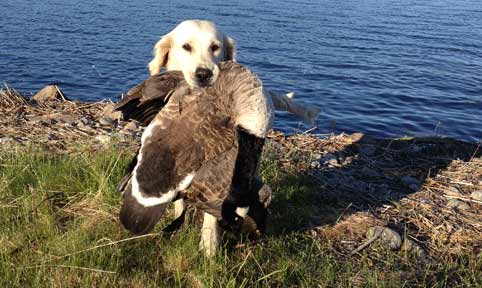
419 196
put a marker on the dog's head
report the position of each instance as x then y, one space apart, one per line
194 47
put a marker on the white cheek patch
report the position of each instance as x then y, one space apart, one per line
167 196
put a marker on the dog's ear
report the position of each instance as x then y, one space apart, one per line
229 49
161 51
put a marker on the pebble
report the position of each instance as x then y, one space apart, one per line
458 204
413 247
476 195
388 236
85 120
106 121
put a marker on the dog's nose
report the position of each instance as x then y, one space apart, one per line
203 74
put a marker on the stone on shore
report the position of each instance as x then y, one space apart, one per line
49 93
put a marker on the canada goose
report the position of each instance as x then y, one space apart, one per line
203 146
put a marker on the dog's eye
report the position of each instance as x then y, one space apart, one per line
187 47
214 47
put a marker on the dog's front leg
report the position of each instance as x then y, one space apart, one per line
210 235
179 207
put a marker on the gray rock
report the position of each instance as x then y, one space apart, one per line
457 204
387 236
106 121
49 93
413 248
476 195
85 120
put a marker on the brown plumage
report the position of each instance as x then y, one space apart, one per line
204 145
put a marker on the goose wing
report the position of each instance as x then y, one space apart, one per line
145 100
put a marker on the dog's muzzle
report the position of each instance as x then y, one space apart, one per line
203 76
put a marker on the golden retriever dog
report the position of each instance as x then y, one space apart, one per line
196 47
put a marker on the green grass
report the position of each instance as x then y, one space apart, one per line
52 206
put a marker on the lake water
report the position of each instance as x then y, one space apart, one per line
385 68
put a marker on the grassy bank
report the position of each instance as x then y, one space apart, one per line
59 227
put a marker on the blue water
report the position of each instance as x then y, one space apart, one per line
385 68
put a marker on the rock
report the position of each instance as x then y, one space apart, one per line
453 190
355 137
49 93
316 156
106 121
476 195
411 182
103 139
413 248
130 128
315 164
329 159
64 118
85 120
457 204
109 112
388 236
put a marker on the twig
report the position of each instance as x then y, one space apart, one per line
110 244
68 266
462 183
367 243
60 93
463 198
